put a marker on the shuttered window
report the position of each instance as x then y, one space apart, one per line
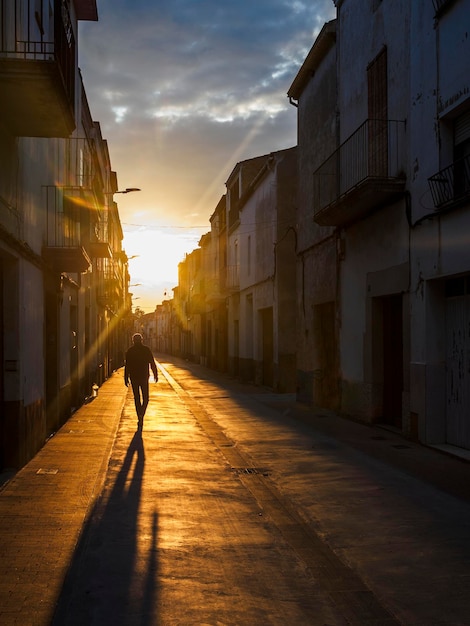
462 129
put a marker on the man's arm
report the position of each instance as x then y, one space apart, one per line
126 372
153 366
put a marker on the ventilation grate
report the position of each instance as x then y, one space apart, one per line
250 470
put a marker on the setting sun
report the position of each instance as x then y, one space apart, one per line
154 255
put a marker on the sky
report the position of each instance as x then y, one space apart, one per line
183 91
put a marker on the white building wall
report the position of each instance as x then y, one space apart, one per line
257 231
440 92
316 274
364 28
377 243
33 333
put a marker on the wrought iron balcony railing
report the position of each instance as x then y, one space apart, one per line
82 160
215 289
451 185
37 68
109 291
63 245
232 282
363 172
10 219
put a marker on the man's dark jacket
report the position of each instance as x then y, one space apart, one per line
138 359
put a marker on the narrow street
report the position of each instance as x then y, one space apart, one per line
226 512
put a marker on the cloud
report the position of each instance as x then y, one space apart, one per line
180 59
184 89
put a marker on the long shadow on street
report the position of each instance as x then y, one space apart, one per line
113 576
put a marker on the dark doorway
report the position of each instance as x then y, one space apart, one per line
392 359
2 391
326 391
267 346
52 362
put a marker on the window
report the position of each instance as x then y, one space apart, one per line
462 155
452 184
441 5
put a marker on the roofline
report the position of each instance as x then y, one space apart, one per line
323 43
267 166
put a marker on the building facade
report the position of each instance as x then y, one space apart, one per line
63 273
314 93
381 295
439 189
265 238
387 288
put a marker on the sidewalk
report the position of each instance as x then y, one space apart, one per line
43 507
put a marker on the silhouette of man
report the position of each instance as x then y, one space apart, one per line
138 359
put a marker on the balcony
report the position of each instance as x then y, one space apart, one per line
109 291
232 282
366 172
37 70
98 244
10 219
214 293
450 187
63 248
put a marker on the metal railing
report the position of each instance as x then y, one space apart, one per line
81 160
63 216
376 150
73 217
451 184
232 274
10 219
26 34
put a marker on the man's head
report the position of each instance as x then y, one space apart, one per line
136 338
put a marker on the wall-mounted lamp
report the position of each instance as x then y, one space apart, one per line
128 190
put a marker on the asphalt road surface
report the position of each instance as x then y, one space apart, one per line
225 510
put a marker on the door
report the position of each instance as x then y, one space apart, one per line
52 361
74 358
267 346
326 377
458 362
2 393
392 360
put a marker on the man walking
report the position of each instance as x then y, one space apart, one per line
138 359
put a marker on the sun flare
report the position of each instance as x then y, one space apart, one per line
154 256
